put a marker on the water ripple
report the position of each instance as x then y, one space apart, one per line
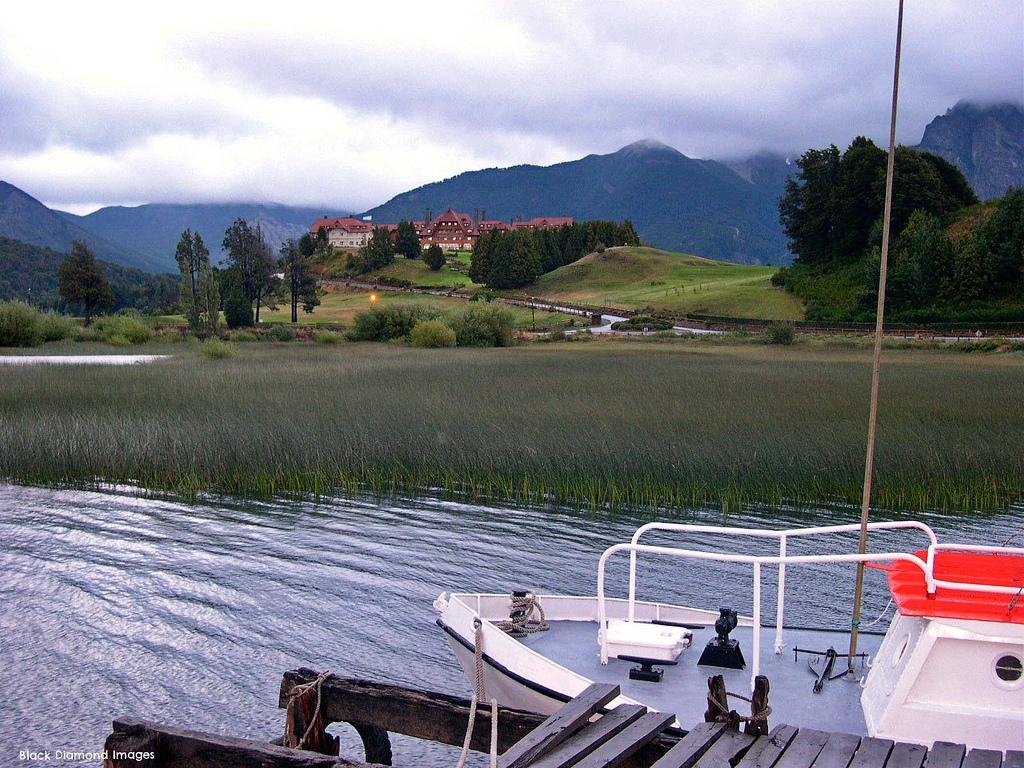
112 604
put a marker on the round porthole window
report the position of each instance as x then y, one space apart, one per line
1009 668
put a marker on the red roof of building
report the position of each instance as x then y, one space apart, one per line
906 582
543 222
346 223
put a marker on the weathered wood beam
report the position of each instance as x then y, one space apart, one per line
162 746
422 714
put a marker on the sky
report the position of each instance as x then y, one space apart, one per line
344 105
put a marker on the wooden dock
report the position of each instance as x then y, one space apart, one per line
580 735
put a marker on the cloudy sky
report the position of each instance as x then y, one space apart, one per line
345 105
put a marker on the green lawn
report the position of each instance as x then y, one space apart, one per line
418 273
638 278
339 305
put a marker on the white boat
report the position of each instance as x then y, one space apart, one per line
950 667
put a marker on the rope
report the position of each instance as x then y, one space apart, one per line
520 622
297 691
478 693
727 715
880 616
494 733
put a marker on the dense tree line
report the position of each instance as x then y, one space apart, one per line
512 259
948 255
30 273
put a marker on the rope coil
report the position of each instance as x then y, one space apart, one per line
520 622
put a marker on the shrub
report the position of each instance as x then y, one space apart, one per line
483 326
20 325
237 309
244 336
281 333
215 349
122 330
432 333
326 337
642 323
781 332
54 327
395 282
386 323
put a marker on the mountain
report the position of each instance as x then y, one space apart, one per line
677 203
24 218
985 143
156 229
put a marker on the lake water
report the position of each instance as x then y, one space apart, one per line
187 614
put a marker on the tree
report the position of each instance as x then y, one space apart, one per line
296 259
377 253
407 242
806 209
505 259
434 257
237 307
829 210
1002 236
200 292
855 203
251 264
81 281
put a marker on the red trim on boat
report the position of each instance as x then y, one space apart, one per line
907 585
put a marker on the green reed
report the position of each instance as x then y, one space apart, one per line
599 425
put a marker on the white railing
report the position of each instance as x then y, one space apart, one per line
781 560
782 535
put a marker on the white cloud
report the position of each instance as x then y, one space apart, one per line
315 104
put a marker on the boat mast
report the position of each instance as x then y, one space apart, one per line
869 460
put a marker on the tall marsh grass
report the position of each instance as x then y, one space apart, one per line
595 425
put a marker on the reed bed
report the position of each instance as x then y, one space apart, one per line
596 425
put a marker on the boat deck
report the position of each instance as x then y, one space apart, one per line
626 736
683 689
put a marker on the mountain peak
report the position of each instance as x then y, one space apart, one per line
985 142
647 147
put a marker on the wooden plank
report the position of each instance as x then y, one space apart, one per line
983 758
768 749
838 751
691 747
586 740
803 749
623 745
1014 758
872 753
177 747
422 714
945 754
726 750
906 756
559 727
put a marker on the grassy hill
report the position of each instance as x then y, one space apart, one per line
631 278
635 278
